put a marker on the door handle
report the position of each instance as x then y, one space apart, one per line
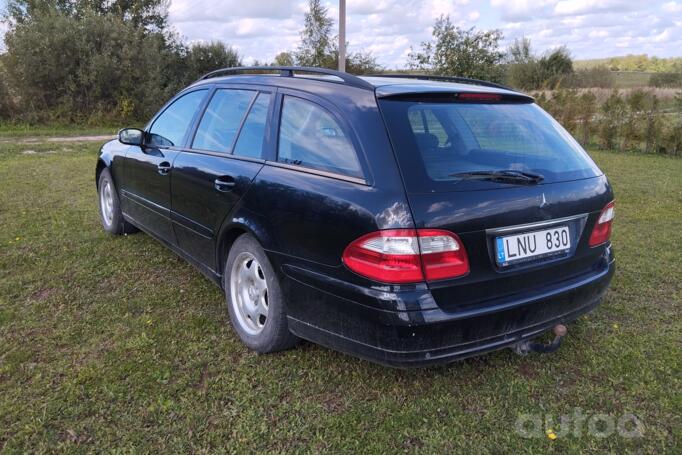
164 167
224 184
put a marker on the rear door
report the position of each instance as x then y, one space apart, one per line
520 236
145 181
214 172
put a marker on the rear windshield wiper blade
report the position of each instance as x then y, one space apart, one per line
507 175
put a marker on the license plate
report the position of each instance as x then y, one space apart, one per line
513 248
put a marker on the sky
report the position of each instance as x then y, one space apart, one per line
259 29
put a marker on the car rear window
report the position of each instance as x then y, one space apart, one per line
438 142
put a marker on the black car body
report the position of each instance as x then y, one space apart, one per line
309 166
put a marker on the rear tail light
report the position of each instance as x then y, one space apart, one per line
601 232
407 256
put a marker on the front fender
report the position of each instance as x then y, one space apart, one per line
105 159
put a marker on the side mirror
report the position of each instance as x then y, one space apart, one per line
131 136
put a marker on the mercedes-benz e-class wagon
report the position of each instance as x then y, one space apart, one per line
406 220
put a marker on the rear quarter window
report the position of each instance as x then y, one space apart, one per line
309 136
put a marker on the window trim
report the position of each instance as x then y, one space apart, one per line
319 172
190 127
347 131
222 155
268 114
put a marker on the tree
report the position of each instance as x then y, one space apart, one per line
587 107
76 69
520 52
555 65
359 62
319 48
149 14
6 99
523 70
203 58
284 59
97 60
316 44
527 71
460 52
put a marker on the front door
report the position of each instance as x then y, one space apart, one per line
147 170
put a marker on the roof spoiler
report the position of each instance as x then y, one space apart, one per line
458 79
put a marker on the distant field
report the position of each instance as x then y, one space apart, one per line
631 63
115 344
630 79
666 96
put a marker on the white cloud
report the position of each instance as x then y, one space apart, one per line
567 7
520 10
672 7
210 10
598 34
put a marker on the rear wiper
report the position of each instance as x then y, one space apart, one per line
508 175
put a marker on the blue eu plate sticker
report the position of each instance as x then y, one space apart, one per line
500 251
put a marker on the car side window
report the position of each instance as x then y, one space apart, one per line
220 123
170 127
309 136
250 141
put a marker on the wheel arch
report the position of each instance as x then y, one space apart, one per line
101 165
232 228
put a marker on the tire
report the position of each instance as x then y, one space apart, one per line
110 206
254 298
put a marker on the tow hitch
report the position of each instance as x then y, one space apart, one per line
527 346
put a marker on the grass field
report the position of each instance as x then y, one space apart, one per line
9 131
630 79
113 342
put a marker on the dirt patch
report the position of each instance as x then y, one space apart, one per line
42 294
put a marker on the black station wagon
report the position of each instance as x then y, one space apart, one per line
407 220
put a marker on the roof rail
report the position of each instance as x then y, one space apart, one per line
462 80
288 71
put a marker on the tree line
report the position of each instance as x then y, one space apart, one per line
108 61
112 61
96 60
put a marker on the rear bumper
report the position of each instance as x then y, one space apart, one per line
326 313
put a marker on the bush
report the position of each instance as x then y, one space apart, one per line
672 80
526 71
6 99
202 58
94 68
671 139
595 77
633 121
69 69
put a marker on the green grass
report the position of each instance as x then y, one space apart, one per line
12 130
114 342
